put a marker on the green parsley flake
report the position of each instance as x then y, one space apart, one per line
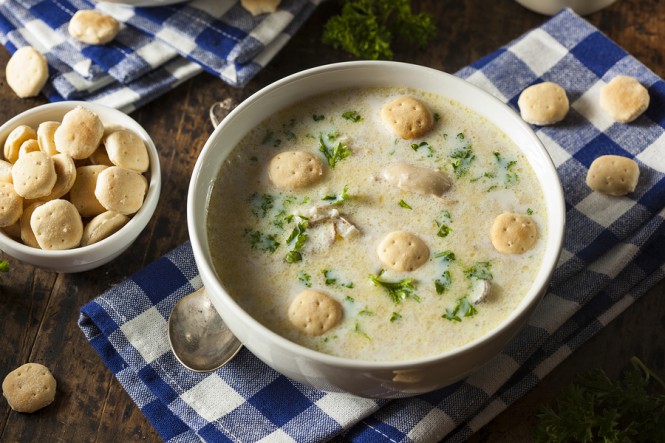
479 271
509 176
305 278
352 116
358 330
337 199
424 145
261 204
404 204
396 316
260 241
297 238
463 308
398 290
333 153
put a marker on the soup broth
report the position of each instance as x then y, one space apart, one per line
269 244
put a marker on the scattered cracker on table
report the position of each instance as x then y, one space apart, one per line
57 225
407 117
79 133
121 190
102 226
624 98
34 175
93 27
294 170
402 251
314 313
29 388
613 175
543 104
27 72
513 233
257 7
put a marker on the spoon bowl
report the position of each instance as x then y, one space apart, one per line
199 338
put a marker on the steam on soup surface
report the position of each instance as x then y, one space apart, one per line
272 237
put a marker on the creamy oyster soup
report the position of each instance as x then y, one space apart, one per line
270 244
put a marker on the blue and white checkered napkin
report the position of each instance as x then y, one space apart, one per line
156 49
613 254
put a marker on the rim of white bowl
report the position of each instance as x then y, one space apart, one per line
555 216
97 251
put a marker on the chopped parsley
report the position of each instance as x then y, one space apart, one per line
463 308
339 198
366 312
509 176
297 239
261 204
529 211
448 256
444 282
396 316
330 280
404 204
334 153
305 278
462 157
398 290
352 116
261 241
479 271
357 329
424 145
318 117
327 279
444 229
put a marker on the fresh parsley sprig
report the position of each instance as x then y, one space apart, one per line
367 28
596 408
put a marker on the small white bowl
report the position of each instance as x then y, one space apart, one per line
381 379
92 256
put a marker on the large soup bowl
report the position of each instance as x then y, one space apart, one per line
330 373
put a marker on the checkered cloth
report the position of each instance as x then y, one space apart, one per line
156 49
612 255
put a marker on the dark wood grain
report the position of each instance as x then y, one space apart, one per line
39 310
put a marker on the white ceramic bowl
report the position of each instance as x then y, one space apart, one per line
551 7
97 254
331 373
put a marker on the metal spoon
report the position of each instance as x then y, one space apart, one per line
199 338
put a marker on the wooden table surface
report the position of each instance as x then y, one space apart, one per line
39 309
